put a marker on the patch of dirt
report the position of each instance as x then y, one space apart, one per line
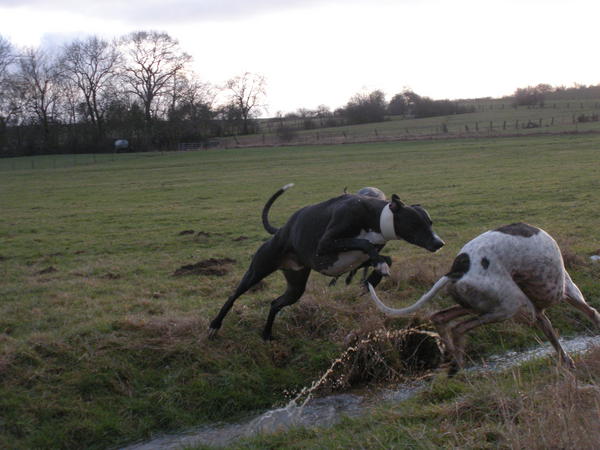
202 234
184 232
240 238
79 252
110 276
212 266
49 269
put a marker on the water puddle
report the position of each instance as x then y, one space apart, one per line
305 411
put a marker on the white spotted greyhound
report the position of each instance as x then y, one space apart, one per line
514 271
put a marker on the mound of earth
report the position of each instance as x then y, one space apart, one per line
211 266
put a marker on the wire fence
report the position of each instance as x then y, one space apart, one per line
413 130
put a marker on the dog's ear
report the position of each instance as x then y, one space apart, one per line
396 205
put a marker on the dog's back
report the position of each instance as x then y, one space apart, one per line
527 254
305 227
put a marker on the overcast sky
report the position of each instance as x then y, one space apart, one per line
316 52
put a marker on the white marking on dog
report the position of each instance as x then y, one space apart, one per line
372 236
345 262
386 223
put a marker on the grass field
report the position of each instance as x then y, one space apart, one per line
101 344
491 118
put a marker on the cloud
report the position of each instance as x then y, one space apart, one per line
150 12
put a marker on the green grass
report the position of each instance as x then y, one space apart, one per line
100 344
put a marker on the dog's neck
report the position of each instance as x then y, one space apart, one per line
386 223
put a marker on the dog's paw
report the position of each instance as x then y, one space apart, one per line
212 333
568 362
383 269
267 337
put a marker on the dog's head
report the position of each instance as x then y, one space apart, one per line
414 225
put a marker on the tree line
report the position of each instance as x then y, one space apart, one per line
139 87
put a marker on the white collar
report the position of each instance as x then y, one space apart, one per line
386 223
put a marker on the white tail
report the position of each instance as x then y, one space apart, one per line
392 312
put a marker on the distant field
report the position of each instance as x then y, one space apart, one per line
491 118
100 344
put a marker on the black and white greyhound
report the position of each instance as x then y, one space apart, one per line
332 237
513 271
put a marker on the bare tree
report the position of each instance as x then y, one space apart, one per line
247 92
7 57
39 85
7 109
152 61
91 66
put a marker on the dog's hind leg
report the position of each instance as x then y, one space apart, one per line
458 334
575 298
545 325
263 264
441 320
296 283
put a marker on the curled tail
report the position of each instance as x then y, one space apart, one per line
265 213
392 312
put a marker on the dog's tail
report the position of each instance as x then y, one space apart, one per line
265 213
392 312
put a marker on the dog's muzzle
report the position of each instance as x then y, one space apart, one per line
436 245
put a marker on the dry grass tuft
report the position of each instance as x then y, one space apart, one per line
419 273
162 332
571 259
563 414
316 317
382 356
561 411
